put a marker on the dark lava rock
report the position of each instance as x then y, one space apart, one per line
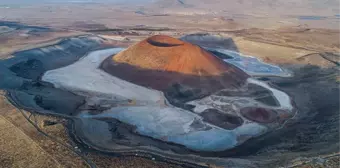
50 98
220 55
259 93
30 69
32 63
258 114
178 94
223 120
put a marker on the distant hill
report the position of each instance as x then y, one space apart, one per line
329 7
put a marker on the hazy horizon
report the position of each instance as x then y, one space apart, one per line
10 2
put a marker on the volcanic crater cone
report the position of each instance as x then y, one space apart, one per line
178 68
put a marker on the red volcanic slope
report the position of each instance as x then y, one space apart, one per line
160 61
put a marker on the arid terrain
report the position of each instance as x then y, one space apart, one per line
302 41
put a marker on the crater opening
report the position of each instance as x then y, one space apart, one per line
164 41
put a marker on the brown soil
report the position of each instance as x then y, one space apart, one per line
161 61
16 145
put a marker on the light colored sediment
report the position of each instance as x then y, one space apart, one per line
175 125
84 77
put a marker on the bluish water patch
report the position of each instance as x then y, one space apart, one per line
18 25
30 64
251 65
312 17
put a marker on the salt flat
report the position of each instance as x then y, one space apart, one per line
84 77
